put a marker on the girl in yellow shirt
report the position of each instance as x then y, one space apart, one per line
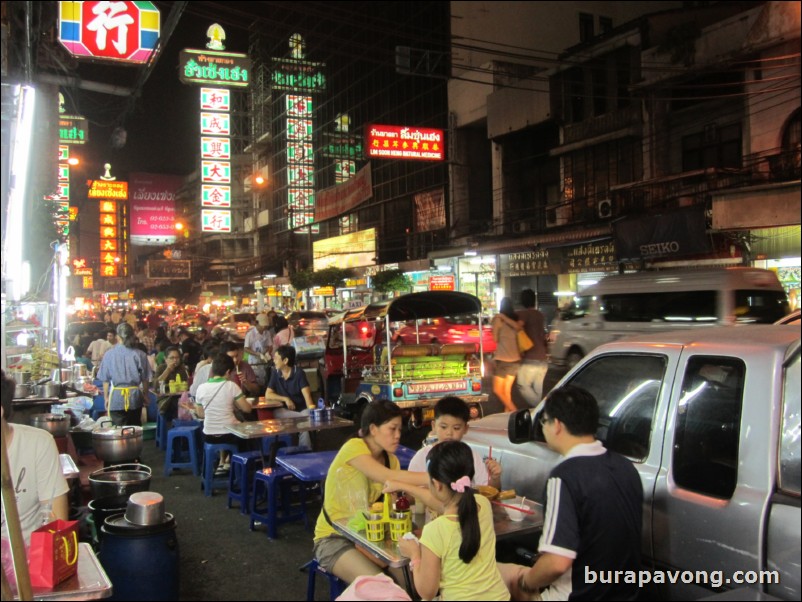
457 551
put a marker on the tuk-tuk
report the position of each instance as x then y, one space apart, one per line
363 361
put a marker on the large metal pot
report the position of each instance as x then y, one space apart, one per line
49 389
55 424
20 377
118 444
22 391
119 480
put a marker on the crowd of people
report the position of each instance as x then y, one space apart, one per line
593 498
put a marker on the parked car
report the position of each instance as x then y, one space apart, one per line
237 324
622 305
448 329
711 419
791 319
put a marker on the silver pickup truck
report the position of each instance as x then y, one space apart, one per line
711 420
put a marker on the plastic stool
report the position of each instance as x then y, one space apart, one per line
210 451
173 452
336 585
161 432
267 486
404 455
240 479
285 446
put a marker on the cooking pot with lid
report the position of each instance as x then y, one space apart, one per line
117 444
56 424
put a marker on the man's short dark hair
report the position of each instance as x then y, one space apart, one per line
452 406
287 352
576 408
222 364
528 298
230 346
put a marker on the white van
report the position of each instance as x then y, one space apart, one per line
621 305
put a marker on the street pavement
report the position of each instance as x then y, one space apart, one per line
220 559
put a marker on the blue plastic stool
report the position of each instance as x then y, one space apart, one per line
175 456
210 451
266 487
336 585
404 455
240 479
153 408
161 432
285 446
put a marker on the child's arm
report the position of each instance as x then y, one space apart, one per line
416 492
493 473
425 567
379 473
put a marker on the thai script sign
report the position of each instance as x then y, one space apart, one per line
153 208
102 189
401 142
218 68
169 269
298 75
73 129
441 283
117 31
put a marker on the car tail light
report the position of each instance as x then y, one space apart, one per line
476 386
398 392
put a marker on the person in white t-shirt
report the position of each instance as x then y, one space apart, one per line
215 403
451 416
40 487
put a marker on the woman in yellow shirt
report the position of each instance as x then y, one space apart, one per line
354 482
457 550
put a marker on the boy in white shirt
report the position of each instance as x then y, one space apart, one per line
451 416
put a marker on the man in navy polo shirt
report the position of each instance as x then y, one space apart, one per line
594 512
288 385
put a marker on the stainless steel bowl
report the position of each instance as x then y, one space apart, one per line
145 508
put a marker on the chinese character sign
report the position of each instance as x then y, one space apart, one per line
215 221
400 142
119 31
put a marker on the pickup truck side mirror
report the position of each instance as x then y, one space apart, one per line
519 427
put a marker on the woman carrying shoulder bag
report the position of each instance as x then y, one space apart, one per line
507 357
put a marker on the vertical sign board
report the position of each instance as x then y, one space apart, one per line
114 31
216 71
299 79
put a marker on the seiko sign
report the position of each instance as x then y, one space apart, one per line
661 248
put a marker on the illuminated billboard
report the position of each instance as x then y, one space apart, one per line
346 251
402 142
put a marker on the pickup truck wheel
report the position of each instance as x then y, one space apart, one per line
573 358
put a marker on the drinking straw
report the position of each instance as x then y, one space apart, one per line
513 507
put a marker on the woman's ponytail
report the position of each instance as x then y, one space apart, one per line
451 463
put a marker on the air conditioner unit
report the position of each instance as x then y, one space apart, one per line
557 215
604 209
520 227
